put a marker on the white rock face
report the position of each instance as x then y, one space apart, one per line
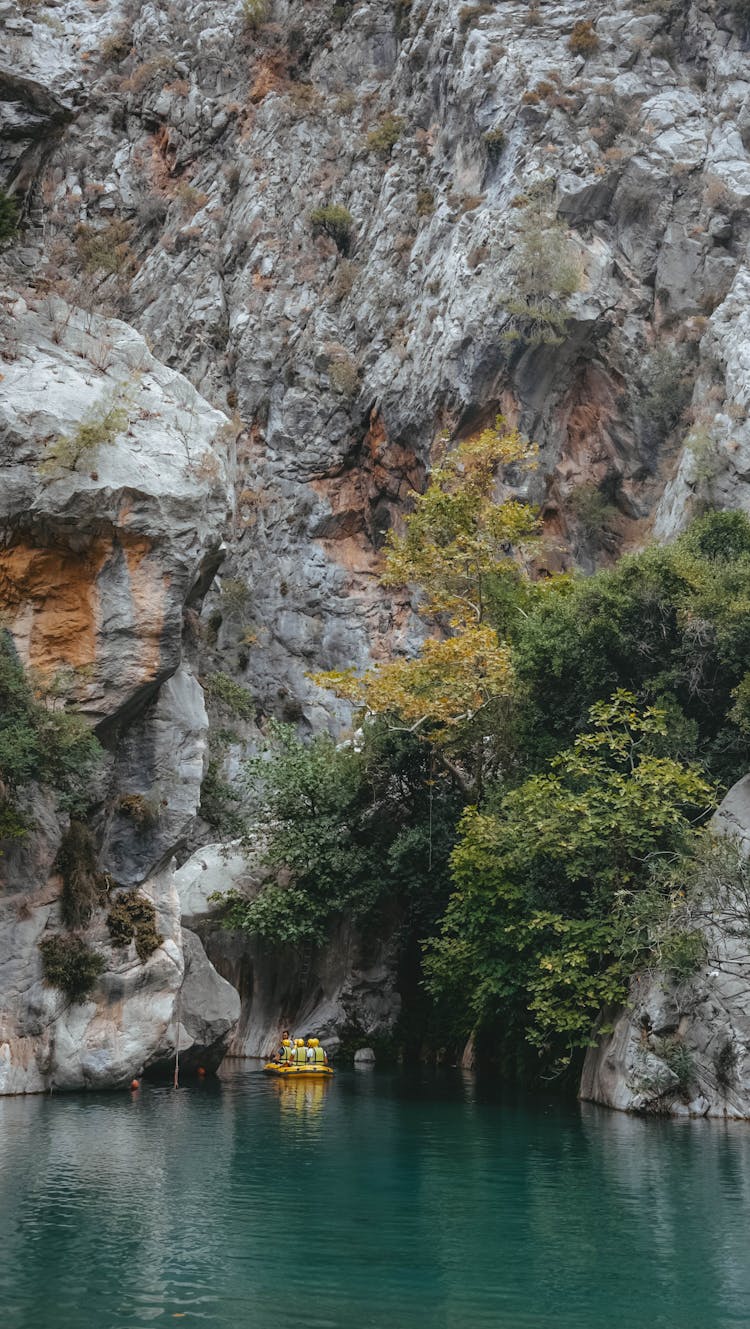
701 1026
99 558
215 867
212 147
714 466
159 768
132 1020
101 553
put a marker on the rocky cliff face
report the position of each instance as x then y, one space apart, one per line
101 554
683 1048
172 162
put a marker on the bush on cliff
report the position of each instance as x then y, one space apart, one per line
336 221
84 884
132 917
70 964
52 747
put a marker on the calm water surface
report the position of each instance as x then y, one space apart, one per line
376 1201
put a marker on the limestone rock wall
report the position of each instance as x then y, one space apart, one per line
99 561
346 986
284 389
183 153
684 1048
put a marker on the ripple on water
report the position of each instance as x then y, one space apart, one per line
376 1201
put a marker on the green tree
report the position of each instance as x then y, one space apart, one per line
346 830
671 624
532 939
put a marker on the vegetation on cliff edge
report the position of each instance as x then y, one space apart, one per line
548 758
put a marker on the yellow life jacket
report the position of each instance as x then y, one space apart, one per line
300 1056
318 1055
285 1054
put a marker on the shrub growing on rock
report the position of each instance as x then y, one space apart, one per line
425 202
142 811
99 429
70 964
230 695
494 141
547 272
84 884
335 221
133 917
583 40
106 248
254 14
53 747
383 139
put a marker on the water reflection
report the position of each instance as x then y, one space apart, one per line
299 1097
371 1201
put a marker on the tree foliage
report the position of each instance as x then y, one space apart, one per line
532 935
458 550
52 747
69 963
671 623
346 829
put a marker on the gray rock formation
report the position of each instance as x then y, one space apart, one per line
684 1048
273 400
179 191
104 545
132 1021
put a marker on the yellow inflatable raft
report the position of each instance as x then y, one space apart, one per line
286 1070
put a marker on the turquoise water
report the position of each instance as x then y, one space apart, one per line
377 1201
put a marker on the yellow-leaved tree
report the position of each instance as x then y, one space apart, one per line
459 542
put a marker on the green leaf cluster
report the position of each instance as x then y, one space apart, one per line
53 747
336 221
346 829
532 939
671 624
69 963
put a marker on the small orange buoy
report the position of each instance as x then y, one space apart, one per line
135 1084
201 1070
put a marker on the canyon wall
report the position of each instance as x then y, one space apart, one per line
282 376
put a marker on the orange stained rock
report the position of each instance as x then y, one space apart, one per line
48 597
148 589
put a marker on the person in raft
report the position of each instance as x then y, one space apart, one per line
315 1053
284 1053
299 1054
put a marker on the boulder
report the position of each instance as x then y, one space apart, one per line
205 1015
212 868
103 548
